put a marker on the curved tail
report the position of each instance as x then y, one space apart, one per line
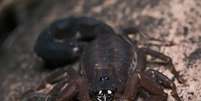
63 41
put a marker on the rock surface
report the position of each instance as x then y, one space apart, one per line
178 21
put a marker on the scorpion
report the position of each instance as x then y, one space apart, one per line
111 66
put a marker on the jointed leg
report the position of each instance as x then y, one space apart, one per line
164 82
140 80
166 60
131 88
156 92
59 76
68 84
58 91
54 77
66 91
134 30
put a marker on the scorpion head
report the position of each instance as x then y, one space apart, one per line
103 89
104 95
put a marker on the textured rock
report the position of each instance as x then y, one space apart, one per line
176 20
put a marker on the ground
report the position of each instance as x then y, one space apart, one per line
177 21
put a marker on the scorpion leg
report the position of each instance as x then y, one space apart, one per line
156 92
54 77
67 91
143 52
63 88
35 96
140 80
136 30
163 81
59 76
166 61
131 88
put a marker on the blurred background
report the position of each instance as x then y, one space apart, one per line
177 21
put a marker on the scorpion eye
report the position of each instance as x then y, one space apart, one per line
104 78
